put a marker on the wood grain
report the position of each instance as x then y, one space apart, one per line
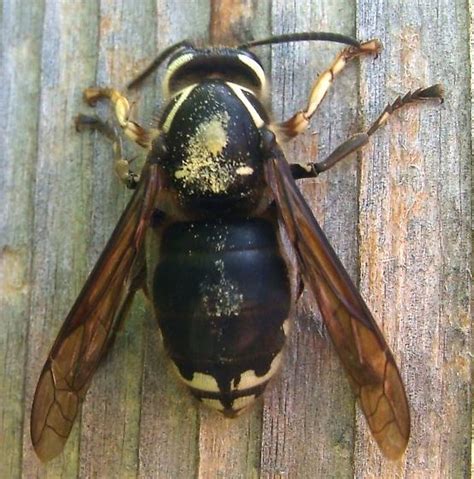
398 215
312 403
414 217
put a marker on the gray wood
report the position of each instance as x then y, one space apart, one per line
397 214
415 218
19 100
308 418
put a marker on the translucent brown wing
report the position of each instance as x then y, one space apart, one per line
371 368
87 330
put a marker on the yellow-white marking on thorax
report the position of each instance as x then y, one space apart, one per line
244 170
205 168
184 94
201 170
239 92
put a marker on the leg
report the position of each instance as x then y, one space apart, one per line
122 111
311 170
122 167
300 120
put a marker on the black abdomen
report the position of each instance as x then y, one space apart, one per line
222 294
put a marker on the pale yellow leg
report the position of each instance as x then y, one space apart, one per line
311 170
300 120
133 130
122 166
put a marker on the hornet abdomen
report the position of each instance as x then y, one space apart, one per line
222 295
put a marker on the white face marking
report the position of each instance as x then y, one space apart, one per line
286 327
238 90
184 94
249 379
255 67
181 60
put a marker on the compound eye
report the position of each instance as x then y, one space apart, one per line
234 65
179 60
256 69
175 65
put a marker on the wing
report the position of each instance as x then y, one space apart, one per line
371 368
89 327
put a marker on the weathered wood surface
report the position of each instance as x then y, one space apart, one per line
398 215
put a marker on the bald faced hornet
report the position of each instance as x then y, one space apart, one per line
213 195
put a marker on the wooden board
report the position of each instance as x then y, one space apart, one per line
398 215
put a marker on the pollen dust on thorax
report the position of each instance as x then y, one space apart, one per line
205 168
